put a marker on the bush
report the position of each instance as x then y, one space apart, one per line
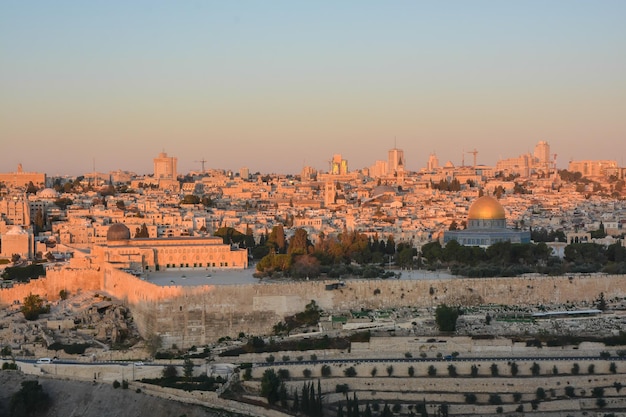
326 370
116 384
470 398
495 399
124 384
494 369
342 388
570 391
411 371
350 372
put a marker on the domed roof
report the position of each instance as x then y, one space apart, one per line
486 208
48 193
118 231
16 230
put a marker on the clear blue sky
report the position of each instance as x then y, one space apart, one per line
274 85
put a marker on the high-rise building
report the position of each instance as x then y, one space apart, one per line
542 156
244 173
433 162
338 166
395 161
165 167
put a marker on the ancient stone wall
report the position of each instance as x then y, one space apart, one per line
188 316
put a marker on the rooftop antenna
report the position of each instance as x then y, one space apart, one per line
202 161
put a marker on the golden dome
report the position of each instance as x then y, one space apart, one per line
486 208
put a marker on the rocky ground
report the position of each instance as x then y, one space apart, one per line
84 399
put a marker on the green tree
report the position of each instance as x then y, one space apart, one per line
169 372
188 368
446 317
514 368
142 232
30 400
33 306
270 386
432 371
494 369
276 239
299 243
535 369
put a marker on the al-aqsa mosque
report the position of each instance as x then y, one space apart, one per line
486 225
172 253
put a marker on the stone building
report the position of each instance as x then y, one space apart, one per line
181 253
486 225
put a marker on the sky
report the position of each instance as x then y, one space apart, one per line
277 85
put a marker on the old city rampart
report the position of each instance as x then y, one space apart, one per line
188 316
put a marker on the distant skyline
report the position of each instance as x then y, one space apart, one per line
278 85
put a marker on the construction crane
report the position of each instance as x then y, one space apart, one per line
474 152
202 161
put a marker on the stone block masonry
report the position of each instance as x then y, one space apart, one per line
188 316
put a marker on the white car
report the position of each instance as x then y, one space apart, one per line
138 363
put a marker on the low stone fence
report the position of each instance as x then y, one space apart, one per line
207 399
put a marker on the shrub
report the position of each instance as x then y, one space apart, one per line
514 368
124 384
613 368
283 374
116 384
470 398
494 369
390 370
575 369
591 369
495 399
540 393
474 371
343 388
270 359
411 371
307 373
350 372
326 370
432 371
535 369
570 391
373 372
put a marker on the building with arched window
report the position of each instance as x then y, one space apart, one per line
175 253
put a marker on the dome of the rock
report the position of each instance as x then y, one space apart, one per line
486 208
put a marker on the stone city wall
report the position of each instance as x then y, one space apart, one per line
188 316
